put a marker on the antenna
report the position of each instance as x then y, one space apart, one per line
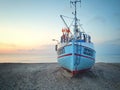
74 4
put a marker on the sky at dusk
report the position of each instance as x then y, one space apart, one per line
30 25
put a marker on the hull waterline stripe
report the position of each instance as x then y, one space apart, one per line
65 55
76 55
84 56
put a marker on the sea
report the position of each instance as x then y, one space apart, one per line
27 58
37 58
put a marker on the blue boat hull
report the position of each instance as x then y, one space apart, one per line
75 57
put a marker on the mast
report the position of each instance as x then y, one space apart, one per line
74 3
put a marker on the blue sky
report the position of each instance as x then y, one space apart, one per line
32 24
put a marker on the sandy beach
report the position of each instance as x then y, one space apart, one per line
48 76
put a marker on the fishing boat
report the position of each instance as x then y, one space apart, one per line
75 49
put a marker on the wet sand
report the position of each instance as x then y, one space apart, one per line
48 76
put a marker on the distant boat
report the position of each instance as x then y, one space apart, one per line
75 51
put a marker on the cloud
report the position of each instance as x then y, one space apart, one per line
118 29
7 48
46 50
98 19
113 42
7 45
111 47
117 16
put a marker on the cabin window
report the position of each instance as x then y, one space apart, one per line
88 52
61 51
